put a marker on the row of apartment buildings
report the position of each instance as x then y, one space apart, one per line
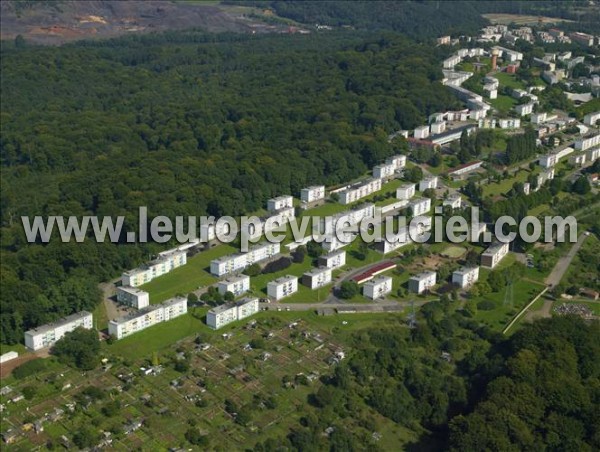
230 312
239 261
146 317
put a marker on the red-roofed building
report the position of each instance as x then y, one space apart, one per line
373 271
466 168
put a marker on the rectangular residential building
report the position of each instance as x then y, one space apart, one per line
133 297
147 317
494 254
421 132
406 191
336 259
422 282
230 312
397 161
419 206
47 335
239 261
524 109
428 182
317 277
282 287
313 193
165 263
465 277
591 118
360 190
509 123
465 168
384 171
237 285
378 287
454 201
404 235
586 143
280 202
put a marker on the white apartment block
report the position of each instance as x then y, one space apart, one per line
539 118
237 285
406 191
454 201
209 232
360 190
494 254
230 312
548 160
239 261
578 159
280 202
584 144
313 193
348 218
404 235
384 171
428 182
465 277
133 297
509 123
317 277
47 335
524 110
147 317
491 92
282 287
378 287
450 62
421 132
336 259
419 206
591 118
509 55
543 177
271 223
422 282
592 154
438 127
398 161
165 263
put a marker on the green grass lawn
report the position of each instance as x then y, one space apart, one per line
523 292
509 80
187 278
100 316
19 348
505 185
503 103
157 337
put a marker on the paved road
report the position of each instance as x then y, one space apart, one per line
563 263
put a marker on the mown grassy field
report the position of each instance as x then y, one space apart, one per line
185 279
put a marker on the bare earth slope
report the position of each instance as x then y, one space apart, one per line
59 22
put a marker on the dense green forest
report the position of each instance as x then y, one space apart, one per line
425 20
186 124
461 387
417 19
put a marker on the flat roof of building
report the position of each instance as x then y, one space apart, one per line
166 255
234 279
378 280
284 279
333 254
60 322
132 290
146 310
317 271
465 270
494 248
232 304
422 275
376 269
